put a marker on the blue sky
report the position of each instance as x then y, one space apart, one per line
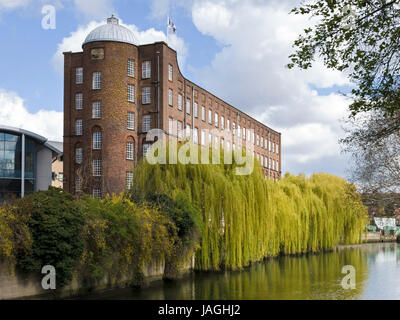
236 49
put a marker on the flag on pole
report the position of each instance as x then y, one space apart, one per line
171 27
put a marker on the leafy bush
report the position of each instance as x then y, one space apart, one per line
55 224
121 237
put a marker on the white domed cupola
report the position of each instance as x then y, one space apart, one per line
112 31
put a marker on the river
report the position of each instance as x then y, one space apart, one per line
311 276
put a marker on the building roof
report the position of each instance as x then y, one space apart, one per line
112 31
56 145
38 138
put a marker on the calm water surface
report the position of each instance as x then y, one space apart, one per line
307 277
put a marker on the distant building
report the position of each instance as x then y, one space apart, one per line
116 91
57 166
25 162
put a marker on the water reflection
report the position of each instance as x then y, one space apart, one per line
313 276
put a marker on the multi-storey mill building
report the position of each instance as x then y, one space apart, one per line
115 91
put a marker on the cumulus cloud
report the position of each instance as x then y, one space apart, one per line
256 38
6 5
14 113
75 39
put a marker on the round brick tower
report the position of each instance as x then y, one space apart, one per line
110 64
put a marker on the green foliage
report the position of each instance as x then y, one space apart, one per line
360 37
121 238
55 224
15 237
248 218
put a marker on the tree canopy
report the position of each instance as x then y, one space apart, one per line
361 38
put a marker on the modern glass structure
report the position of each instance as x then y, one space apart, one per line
25 162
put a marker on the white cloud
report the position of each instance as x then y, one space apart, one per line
14 113
257 39
13 4
74 42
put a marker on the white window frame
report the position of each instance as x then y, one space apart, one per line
170 98
203 113
131 93
146 95
146 69
146 123
96 110
96 85
188 106
196 110
130 125
79 155
130 150
129 179
79 101
97 172
78 127
79 75
97 140
210 120
170 72
131 68
180 101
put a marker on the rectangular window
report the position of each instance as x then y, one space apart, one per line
196 110
146 95
228 125
96 80
262 142
216 118
210 117
277 148
244 133
131 68
179 102
170 97
131 93
97 168
78 155
258 140
78 184
180 129
170 71
234 128
188 106
187 133
203 138
78 101
210 139
78 127
273 147
146 123
239 131
170 125
222 143
79 75
269 146
146 147
277 165
196 135
203 113
96 140
216 144
96 110
97 193
129 179
146 69
222 123
130 151
131 121
249 135
262 161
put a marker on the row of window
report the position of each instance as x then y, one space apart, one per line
97 145
217 141
220 122
97 115
146 73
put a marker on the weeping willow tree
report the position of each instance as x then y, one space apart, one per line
248 218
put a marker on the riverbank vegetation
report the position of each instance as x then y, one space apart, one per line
174 212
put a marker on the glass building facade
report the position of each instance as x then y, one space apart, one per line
11 165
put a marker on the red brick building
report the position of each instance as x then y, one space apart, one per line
116 91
